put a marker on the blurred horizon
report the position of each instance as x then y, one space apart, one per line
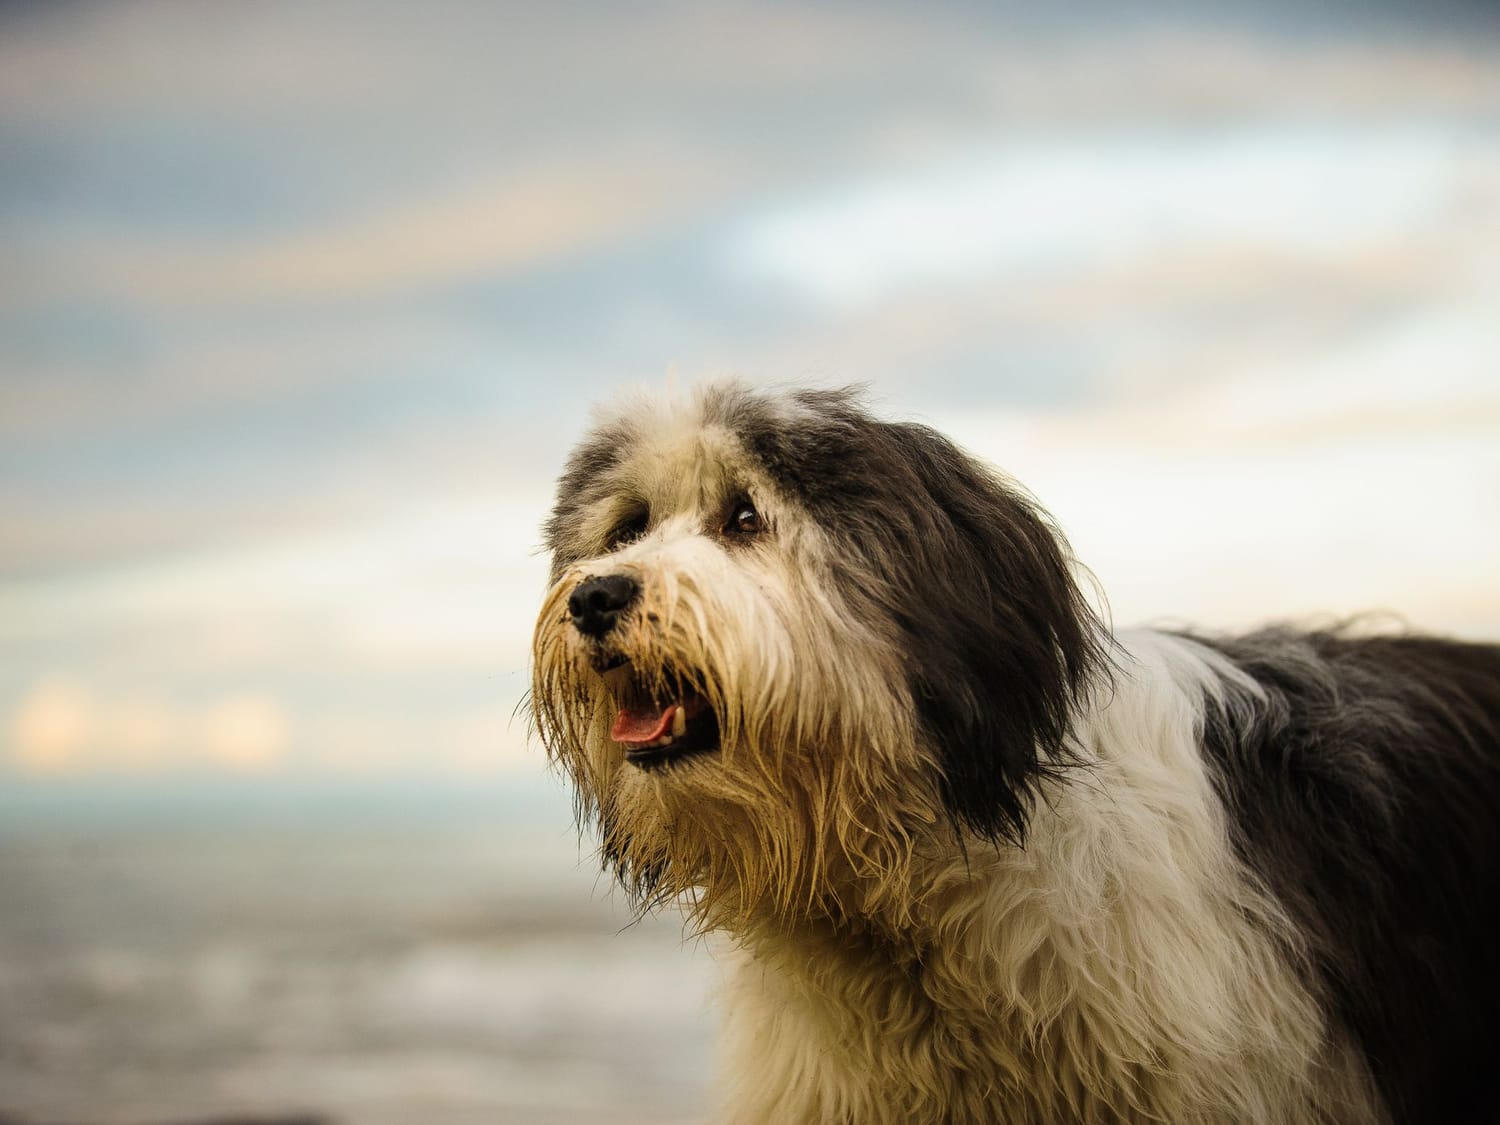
305 304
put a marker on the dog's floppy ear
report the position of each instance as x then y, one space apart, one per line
1001 642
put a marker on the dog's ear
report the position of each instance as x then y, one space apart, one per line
584 480
978 585
1002 643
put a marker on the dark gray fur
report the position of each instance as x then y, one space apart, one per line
999 642
1364 789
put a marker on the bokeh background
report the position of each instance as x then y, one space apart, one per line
302 304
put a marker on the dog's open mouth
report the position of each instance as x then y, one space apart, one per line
660 729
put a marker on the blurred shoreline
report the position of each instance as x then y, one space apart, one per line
124 802
375 955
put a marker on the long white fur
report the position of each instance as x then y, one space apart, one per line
1123 966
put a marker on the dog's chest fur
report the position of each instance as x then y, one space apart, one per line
1118 968
822 1031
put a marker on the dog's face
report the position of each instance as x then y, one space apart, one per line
784 641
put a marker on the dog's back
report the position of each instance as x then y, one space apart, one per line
1362 778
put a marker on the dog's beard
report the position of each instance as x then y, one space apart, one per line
806 799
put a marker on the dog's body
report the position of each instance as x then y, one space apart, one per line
831 684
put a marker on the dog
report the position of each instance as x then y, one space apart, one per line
831 684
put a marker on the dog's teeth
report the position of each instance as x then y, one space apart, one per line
664 740
679 722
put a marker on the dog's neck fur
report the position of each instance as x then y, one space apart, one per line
1132 968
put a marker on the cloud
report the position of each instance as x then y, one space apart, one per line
535 216
234 369
1062 203
452 578
1162 331
1354 481
399 646
260 407
336 58
540 213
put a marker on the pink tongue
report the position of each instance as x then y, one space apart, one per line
637 726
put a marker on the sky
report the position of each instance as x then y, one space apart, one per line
302 305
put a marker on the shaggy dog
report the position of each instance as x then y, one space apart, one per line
830 683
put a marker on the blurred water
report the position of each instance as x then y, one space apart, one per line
433 955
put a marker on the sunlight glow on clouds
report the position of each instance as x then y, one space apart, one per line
60 728
50 728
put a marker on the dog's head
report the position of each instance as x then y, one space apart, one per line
786 641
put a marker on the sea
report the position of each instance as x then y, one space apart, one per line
407 953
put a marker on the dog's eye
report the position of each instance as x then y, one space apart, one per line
744 519
629 529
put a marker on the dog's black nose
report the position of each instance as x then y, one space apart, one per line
596 603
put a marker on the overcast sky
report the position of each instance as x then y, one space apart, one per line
302 306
